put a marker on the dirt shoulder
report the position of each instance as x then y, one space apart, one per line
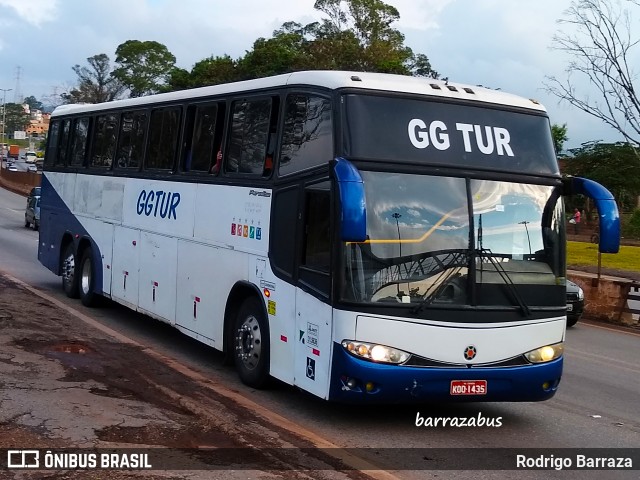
64 384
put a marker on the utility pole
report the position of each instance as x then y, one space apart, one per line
4 117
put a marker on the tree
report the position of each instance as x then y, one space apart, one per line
33 103
16 118
600 51
614 165
143 67
95 84
559 135
354 35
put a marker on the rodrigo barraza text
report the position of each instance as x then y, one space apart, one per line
585 462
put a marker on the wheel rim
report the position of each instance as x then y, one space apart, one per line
249 342
68 269
85 278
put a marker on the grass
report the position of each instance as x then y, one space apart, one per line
582 253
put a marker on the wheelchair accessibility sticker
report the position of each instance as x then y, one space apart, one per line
311 368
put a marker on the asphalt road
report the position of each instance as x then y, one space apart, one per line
596 406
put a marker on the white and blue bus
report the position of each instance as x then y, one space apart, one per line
364 237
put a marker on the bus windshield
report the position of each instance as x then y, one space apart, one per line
423 241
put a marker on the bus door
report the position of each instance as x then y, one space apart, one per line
313 310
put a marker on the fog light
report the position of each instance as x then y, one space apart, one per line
370 386
352 383
546 385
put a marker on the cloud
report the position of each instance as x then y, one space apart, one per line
35 12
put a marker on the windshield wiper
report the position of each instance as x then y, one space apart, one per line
438 286
511 287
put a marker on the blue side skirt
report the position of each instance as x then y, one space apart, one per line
397 384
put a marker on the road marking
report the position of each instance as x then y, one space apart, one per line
611 329
319 442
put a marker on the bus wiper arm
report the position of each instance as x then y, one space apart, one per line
438 285
488 254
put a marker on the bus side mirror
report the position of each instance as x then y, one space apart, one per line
353 210
609 218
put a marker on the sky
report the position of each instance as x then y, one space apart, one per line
503 44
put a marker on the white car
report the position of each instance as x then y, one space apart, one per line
12 168
30 157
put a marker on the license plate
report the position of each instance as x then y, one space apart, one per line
569 307
468 387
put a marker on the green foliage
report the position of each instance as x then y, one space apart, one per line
33 103
143 67
15 117
582 253
354 35
559 135
632 226
95 84
614 165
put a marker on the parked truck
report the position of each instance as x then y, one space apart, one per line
14 151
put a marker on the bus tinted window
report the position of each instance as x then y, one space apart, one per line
306 138
163 138
64 140
105 140
79 141
200 153
131 140
249 135
52 147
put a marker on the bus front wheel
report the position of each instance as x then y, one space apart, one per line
251 344
69 272
87 280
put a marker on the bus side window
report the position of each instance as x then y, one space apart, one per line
307 135
63 145
131 140
164 129
79 138
247 146
104 140
315 263
199 155
52 145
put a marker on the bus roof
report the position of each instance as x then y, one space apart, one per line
380 82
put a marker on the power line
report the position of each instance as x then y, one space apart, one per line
17 94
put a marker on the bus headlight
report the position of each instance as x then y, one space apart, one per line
376 353
545 354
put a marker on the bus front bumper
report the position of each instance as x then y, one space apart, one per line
360 381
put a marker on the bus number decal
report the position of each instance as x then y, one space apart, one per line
158 202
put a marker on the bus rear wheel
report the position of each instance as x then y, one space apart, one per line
251 344
87 280
69 272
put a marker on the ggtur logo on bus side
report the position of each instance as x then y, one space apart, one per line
158 203
487 139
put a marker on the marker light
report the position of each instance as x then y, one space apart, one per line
546 353
376 353
267 292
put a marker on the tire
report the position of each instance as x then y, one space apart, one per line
26 223
251 344
69 269
36 226
87 280
571 321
